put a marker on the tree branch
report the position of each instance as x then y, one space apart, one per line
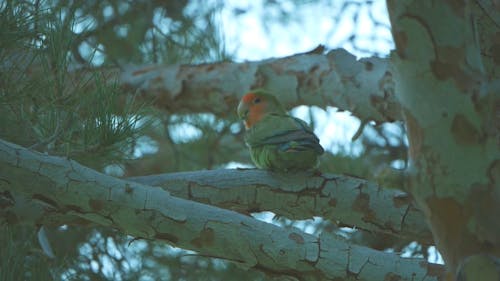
350 201
152 213
364 87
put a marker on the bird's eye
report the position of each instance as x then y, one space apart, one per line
257 100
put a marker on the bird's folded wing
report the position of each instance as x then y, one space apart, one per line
295 136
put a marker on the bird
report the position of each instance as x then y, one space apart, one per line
277 141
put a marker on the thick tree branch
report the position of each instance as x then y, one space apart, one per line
364 87
350 201
152 213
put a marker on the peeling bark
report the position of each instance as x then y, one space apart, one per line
350 201
68 188
363 87
450 101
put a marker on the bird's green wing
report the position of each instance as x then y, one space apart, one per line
285 132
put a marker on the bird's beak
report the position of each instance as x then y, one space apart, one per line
242 111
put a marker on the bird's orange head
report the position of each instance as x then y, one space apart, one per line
255 105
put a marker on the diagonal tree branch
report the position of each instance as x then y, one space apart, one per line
151 212
350 201
364 87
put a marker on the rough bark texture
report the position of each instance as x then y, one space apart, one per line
349 201
363 87
67 188
451 107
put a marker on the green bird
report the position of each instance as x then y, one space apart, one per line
277 141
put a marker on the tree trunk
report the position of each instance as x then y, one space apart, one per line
450 103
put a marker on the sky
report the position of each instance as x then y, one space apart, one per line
257 33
